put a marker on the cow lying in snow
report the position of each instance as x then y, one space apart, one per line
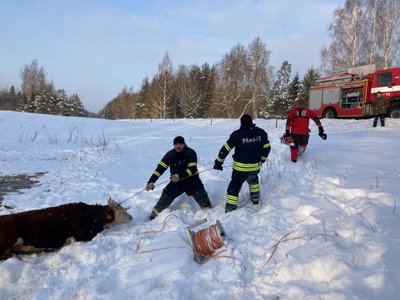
51 228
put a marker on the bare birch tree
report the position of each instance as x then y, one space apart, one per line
162 105
259 61
346 31
364 32
33 79
233 75
388 33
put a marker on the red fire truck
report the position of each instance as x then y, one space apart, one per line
349 94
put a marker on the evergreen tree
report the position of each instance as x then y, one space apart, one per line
279 103
208 86
76 108
61 103
309 80
294 90
143 101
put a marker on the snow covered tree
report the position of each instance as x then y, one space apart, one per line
294 90
208 87
143 101
309 80
279 103
61 103
76 107
187 90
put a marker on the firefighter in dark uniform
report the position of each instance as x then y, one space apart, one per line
182 162
251 151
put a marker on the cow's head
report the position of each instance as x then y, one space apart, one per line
118 215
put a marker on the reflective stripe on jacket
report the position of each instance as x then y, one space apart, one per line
182 163
251 146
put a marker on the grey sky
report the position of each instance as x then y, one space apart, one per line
95 47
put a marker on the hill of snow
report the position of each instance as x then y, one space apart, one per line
327 226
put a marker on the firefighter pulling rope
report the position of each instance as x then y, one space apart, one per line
166 181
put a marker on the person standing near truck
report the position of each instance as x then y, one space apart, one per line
379 108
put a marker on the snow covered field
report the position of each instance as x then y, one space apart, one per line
338 206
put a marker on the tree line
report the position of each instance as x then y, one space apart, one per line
242 82
38 95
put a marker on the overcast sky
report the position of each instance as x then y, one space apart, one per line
96 47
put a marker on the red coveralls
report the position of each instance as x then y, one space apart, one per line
297 123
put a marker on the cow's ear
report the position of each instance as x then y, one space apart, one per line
112 203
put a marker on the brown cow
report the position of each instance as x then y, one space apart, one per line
51 228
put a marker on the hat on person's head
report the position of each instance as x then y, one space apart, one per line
179 140
246 120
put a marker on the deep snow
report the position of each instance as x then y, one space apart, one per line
338 206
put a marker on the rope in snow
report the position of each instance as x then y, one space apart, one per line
166 181
156 231
275 246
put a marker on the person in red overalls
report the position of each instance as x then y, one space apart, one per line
297 123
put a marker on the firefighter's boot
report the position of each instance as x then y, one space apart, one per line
293 153
230 207
255 198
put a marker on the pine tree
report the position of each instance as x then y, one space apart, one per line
294 90
143 101
279 103
309 80
76 108
61 103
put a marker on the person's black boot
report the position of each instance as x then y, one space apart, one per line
230 207
255 197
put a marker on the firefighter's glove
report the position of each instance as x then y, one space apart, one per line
217 165
321 133
283 138
323 136
175 177
287 133
149 186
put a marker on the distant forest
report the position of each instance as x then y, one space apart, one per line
362 32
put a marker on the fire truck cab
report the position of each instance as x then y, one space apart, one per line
349 94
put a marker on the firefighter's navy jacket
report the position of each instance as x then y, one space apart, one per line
251 148
183 163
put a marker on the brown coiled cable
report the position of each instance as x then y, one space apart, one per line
206 241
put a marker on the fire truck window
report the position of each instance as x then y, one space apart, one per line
351 99
385 79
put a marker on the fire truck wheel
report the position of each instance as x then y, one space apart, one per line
395 112
329 113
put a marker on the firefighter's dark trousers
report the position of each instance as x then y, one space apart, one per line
238 178
191 186
300 141
382 119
